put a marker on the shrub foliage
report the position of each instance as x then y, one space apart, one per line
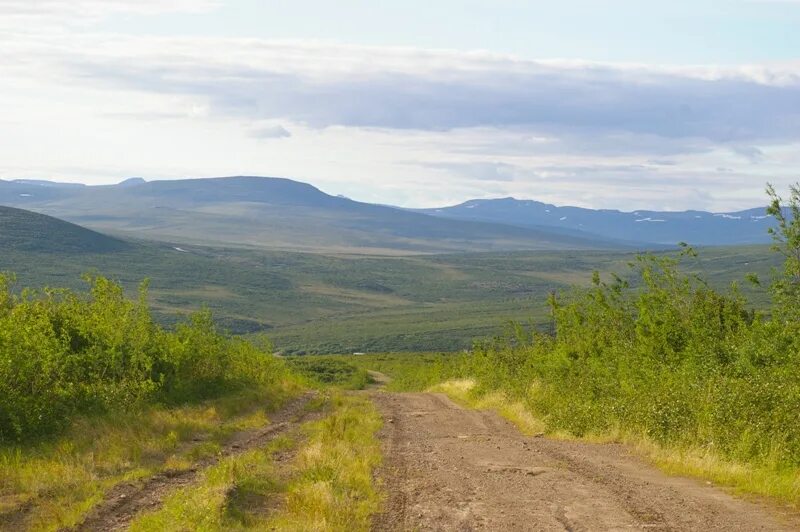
668 358
63 353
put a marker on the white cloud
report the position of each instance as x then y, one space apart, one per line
479 170
270 132
326 85
86 106
91 9
750 153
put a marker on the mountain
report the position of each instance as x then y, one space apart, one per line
22 230
131 181
276 213
668 228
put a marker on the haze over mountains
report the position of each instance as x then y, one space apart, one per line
274 213
278 213
660 227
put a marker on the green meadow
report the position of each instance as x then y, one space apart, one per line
311 303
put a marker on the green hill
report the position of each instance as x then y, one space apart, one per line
322 303
275 213
22 230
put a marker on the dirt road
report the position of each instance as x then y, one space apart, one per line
125 501
448 468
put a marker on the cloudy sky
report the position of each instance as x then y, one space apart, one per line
615 104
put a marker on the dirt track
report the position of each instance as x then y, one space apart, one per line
448 468
125 501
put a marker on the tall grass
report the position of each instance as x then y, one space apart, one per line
332 485
218 500
668 361
56 482
327 484
64 354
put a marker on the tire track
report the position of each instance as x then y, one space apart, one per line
449 468
125 501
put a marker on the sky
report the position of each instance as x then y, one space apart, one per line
607 104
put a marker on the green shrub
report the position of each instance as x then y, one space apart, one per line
667 358
64 353
328 370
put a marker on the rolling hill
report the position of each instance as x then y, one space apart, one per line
22 230
662 227
312 302
276 213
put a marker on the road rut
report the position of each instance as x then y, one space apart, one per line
125 501
449 468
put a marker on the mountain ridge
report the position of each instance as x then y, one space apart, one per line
748 226
282 213
277 213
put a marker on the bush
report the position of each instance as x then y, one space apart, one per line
64 353
667 358
327 370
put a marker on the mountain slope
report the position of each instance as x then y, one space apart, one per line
22 230
278 214
695 227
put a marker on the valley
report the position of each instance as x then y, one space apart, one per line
357 386
340 303
319 266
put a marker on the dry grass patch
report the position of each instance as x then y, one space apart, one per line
54 485
226 497
332 486
462 391
327 486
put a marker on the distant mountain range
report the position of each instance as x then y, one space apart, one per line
277 213
659 227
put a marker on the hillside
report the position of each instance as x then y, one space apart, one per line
22 230
275 213
311 302
662 227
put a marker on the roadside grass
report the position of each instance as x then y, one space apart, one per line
767 480
229 496
332 485
327 485
460 391
54 484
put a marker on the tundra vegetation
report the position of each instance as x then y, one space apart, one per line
94 393
64 353
698 380
656 357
